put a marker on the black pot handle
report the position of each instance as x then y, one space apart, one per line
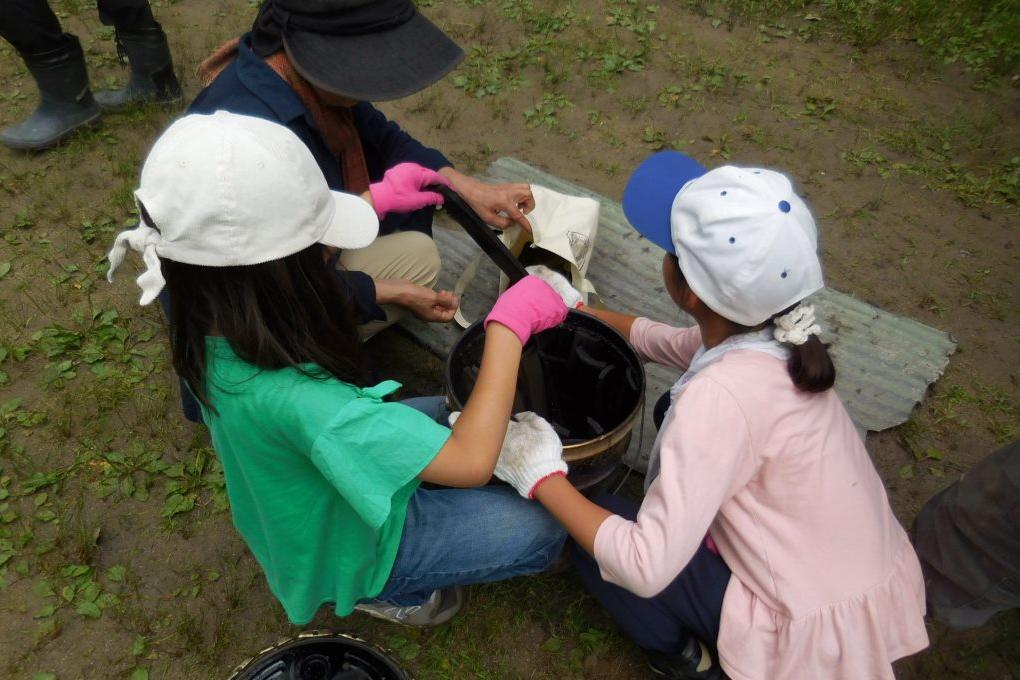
482 233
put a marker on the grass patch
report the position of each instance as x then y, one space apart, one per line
983 36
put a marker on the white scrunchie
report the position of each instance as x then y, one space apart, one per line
142 239
796 327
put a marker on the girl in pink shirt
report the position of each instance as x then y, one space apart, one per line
765 543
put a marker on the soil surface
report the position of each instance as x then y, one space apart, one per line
117 554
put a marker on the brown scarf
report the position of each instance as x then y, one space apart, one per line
335 123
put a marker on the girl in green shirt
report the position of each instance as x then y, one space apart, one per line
323 474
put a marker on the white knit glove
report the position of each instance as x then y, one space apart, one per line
572 298
531 452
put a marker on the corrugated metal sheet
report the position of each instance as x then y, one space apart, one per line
884 362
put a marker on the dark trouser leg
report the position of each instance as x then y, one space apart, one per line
30 26
690 605
127 14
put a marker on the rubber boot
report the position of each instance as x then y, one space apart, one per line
67 102
152 70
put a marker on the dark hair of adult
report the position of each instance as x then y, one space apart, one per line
279 314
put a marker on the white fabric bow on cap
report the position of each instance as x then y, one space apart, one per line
144 240
796 327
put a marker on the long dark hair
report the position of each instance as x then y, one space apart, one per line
278 314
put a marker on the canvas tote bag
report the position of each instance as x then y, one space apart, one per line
562 238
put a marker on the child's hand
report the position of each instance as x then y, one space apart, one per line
400 189
531 452
572 298
527 307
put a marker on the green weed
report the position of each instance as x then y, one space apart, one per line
654 139
188 480
615 60
700 76
819 107
859 159
486 73
101 341
546 112
985 405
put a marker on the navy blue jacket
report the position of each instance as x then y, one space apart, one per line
250 87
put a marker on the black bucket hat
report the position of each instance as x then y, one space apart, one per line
372 50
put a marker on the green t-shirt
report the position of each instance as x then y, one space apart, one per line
319 473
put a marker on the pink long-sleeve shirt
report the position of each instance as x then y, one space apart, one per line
824 581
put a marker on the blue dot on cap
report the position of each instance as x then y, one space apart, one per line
732 239
783 275
722 193
784 206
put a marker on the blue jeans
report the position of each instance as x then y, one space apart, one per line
463 536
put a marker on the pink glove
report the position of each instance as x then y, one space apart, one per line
400 189
527 307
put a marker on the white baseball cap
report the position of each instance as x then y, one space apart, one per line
223 190
746 243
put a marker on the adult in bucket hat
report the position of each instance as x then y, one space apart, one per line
764 546
315 66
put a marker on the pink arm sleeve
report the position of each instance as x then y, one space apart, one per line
705 459
665 344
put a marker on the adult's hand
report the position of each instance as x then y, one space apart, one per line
428 305
500 205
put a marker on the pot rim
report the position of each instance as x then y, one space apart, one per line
574 452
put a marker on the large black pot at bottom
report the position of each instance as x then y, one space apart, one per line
320 655
591 389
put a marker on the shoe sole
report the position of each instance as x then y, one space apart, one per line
447 614
50 143
138 103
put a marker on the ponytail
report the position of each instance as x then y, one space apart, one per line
810 366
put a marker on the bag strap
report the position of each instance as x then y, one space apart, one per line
466 277
511 238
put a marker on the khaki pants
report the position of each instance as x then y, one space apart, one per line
406 255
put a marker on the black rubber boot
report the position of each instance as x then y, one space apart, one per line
152 70
67 103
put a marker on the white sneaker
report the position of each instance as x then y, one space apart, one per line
441 606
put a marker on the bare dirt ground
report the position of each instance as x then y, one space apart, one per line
117 557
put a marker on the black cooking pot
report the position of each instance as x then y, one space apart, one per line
320 655
592 389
